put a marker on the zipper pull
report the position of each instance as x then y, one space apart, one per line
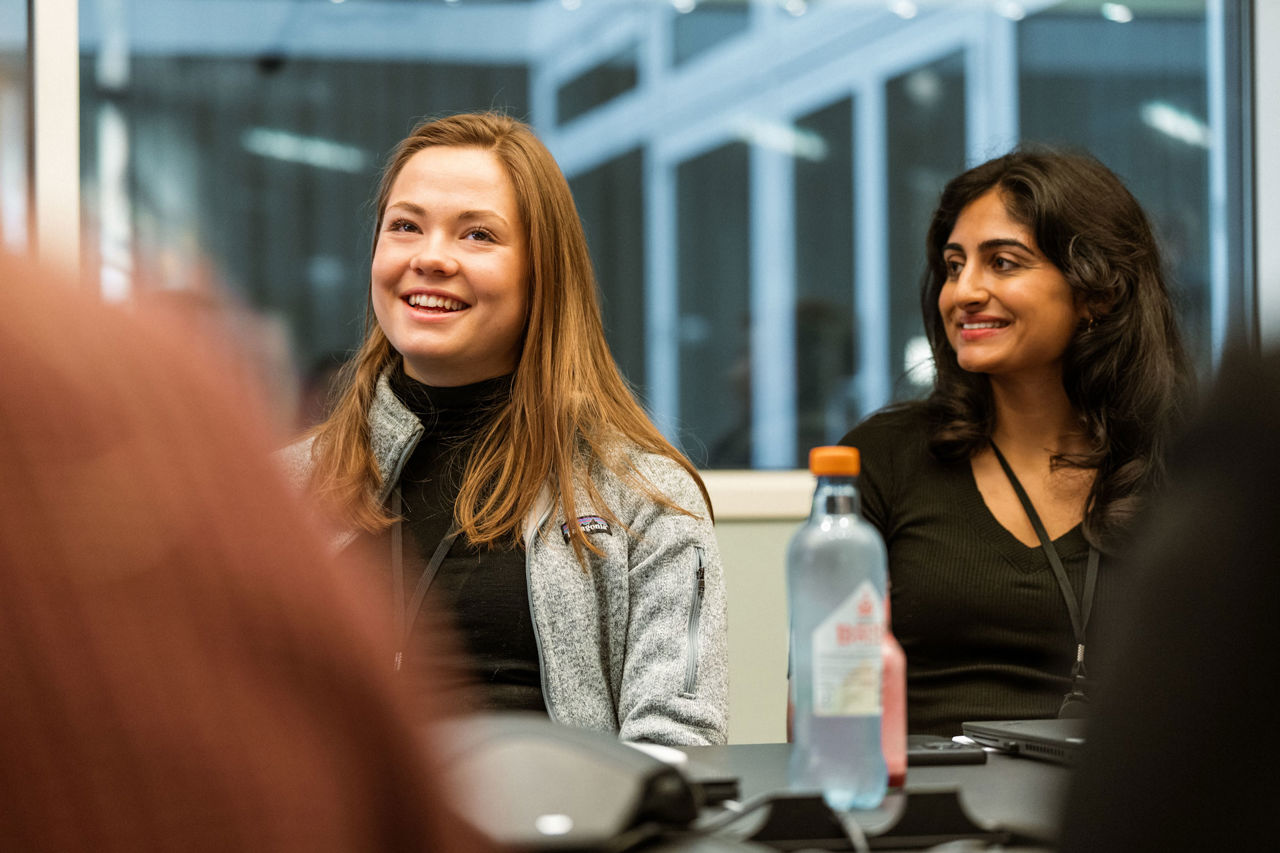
399 657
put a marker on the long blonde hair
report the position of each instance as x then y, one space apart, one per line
569 409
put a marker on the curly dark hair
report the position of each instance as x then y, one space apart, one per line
1125 370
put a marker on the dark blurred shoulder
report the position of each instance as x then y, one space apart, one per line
1191 646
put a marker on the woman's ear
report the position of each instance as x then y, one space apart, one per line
1086 312
1091 309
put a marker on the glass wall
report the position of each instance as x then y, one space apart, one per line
15 101
755 178
610 199
925 124
713 269
826 324
1144 112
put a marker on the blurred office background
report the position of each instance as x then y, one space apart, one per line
755 178
15 103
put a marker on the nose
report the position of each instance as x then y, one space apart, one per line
434 256
969 288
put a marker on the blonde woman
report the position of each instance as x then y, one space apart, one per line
484 435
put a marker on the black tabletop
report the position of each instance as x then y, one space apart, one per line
1021 796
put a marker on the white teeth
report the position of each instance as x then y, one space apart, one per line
423 300
992 325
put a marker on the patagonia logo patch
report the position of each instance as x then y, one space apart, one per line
589 524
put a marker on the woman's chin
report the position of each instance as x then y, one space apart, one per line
974 365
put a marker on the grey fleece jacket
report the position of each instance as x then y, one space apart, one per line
635 644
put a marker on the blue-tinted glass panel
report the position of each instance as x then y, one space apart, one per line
824 247
714 275
707 25
925 131
597 85
610 200
1134 96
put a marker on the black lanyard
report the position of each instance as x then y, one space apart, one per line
406 617
1079 614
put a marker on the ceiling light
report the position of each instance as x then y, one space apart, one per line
1177 124
307 150
1011 9
905 9
1117 12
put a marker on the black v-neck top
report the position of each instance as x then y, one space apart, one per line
979 614
484 591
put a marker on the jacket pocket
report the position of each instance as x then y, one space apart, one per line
695 615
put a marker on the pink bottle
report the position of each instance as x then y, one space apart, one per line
893 694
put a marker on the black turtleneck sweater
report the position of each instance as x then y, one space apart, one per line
484 591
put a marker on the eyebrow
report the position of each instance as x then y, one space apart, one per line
419 210
998 243
408 206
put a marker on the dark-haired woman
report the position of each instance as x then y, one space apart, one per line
1060 378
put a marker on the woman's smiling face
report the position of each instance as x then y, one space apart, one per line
450 273
1008 311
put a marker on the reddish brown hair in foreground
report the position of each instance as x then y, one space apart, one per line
183 667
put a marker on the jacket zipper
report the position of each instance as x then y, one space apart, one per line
695 614
397 542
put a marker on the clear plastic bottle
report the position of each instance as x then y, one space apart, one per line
836 585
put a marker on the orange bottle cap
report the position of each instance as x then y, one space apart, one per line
834 461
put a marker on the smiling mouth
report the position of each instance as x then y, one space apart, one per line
986 324
431 302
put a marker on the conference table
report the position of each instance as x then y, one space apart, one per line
1009 800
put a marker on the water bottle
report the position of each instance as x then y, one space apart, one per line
836 586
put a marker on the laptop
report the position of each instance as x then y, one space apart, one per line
1056 740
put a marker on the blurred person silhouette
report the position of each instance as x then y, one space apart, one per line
182 664
484 435
1060 381
1178 753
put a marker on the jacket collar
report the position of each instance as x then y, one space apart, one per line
393 432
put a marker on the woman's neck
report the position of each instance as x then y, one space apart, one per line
1034 417
1034 422
452 407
